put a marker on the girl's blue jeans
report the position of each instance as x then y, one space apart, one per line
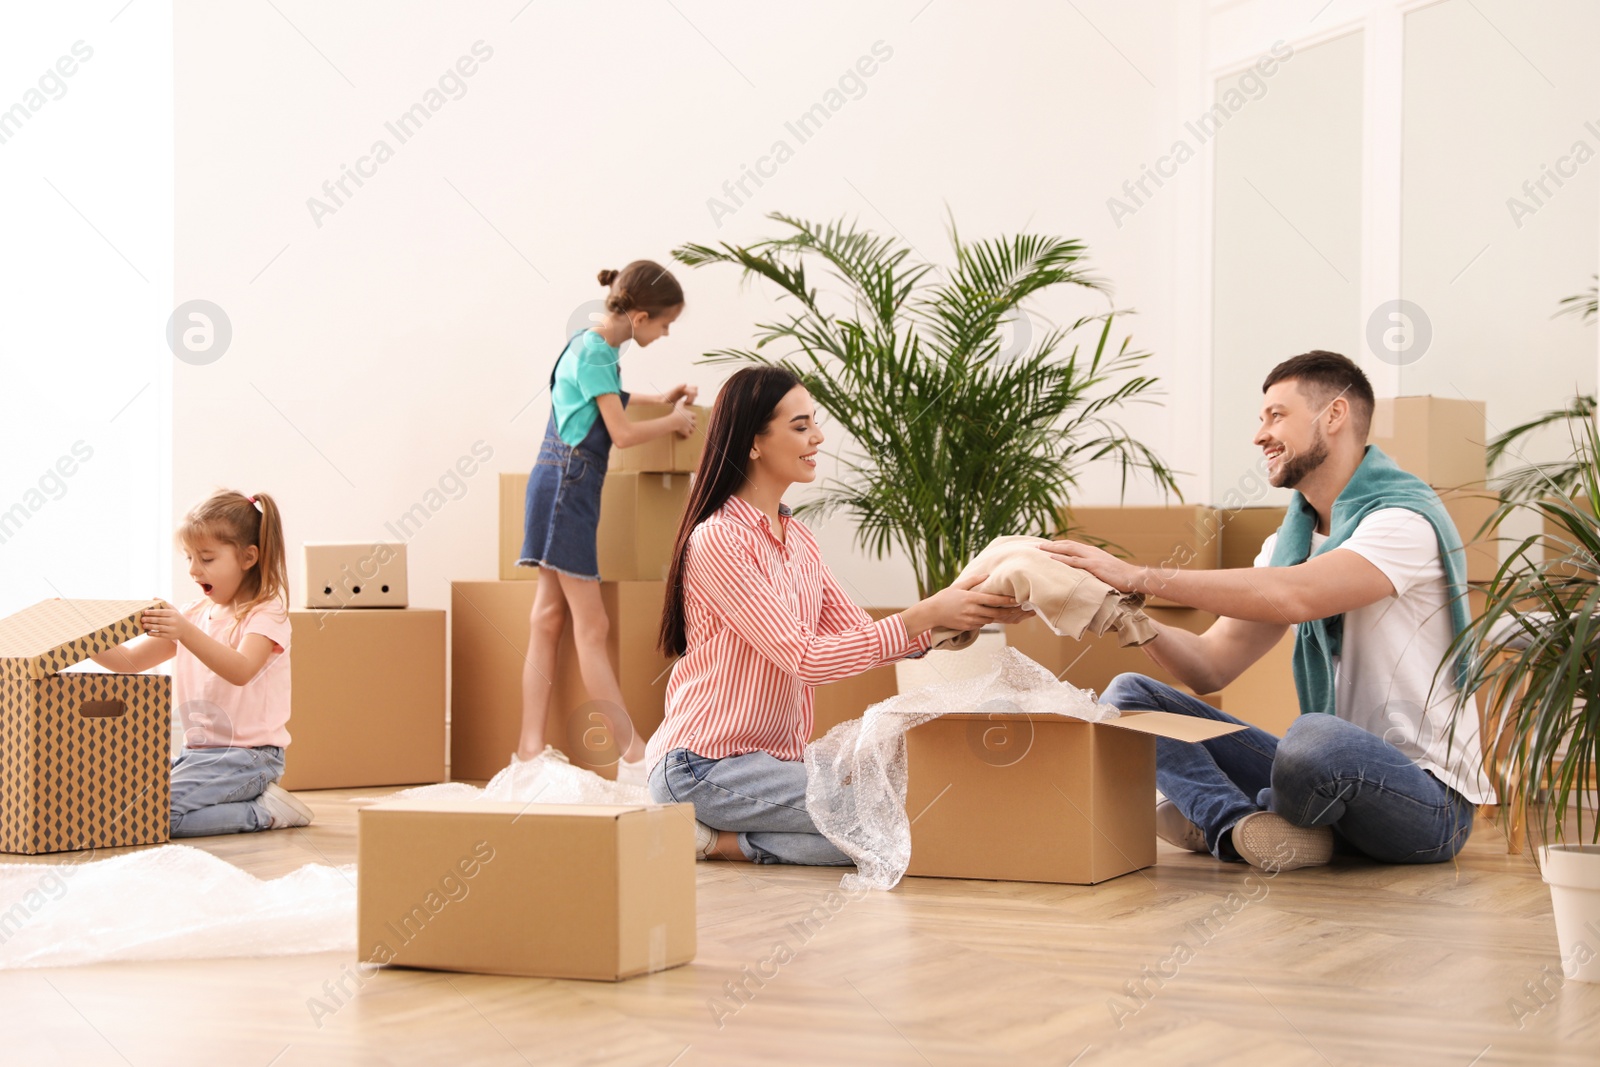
215 790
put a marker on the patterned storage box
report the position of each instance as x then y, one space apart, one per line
84 757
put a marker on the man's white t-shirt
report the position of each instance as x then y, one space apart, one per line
1391 652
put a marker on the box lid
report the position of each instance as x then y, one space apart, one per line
56 634
1159 723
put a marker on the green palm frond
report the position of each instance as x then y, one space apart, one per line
954 440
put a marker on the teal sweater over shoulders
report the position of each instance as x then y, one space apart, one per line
1376 484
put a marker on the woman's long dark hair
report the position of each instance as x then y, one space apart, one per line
744 408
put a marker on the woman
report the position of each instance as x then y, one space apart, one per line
759 620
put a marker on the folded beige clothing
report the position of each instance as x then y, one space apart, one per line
1069 600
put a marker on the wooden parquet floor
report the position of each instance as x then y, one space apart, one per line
1189 962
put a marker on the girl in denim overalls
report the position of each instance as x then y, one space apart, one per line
563 508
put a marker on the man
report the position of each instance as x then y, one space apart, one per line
1368 566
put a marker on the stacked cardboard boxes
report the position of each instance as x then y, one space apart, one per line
641 506
1441 440
367 700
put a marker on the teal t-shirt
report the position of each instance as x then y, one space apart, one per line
587 369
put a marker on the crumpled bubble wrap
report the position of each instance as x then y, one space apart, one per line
856 773
169 903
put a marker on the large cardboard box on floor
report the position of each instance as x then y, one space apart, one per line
1094 661
665 454
1439 439
1038 798
367 698
838 702
85 757
1244 531
639 516
488 649
534 890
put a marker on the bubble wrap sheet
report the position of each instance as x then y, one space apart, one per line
169 903
856 773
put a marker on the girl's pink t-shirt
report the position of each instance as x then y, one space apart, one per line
215 713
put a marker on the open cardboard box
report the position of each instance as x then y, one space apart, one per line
85 757
1019 798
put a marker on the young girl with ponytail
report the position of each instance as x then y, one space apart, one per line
230 671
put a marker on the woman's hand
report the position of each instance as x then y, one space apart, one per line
960 607
1117 573
681 391
167 622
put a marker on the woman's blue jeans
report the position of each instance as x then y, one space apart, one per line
1324 772
757 794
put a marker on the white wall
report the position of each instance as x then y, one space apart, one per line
85 290
371 351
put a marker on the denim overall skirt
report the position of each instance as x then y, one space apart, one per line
562 514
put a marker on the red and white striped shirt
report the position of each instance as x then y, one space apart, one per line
765 621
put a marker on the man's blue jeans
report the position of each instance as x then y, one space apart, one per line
1324 772
215 790
757 794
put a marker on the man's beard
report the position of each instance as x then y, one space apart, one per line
1297 467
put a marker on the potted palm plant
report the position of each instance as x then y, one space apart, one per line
963 423
1535 649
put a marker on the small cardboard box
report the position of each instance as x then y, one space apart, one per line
488 649
1020 798
1263 695
840 701
355 575
1094 661
669 454
367 693
1470 509
85 758
1245 530
639 516
1439 439
534 890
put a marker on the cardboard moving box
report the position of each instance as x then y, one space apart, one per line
639 516
488 643
355 575
1470 510
1245 530
1264 695
367 700
1440 440
513 517
544 891
1040 798
1094 661
1185 536
665 454
85 758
